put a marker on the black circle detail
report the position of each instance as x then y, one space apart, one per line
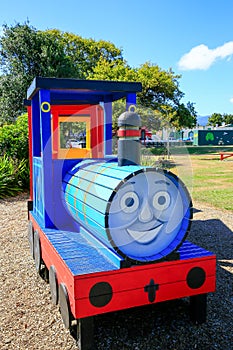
161 200
196 277
129 202
100 294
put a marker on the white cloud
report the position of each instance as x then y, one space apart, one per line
201 57
231 100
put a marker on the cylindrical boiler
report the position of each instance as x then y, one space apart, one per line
143 213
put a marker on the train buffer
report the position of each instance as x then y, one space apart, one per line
224 155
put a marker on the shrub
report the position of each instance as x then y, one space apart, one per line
13 176
14 139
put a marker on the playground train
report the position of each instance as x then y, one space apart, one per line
107 233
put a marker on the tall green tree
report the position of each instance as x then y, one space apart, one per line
228 118
26 52
185 116
219 119
215 119
160 92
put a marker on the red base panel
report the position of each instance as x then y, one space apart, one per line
101 292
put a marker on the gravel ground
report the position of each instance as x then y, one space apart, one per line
28 320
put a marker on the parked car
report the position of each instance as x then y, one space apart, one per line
73 143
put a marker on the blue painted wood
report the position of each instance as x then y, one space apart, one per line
124 169
105 169
83 257
88 212
46 148
95 189
87 192
108 128
108 90
38 189
36 141
89 222
85 197
130 100
79 254
98 178
189 250
108 252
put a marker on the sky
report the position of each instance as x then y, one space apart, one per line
192 37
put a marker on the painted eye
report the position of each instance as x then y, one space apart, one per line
129 202
161 200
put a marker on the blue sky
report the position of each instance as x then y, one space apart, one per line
193 37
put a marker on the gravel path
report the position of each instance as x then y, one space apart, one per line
28 320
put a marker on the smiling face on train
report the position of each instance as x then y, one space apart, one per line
146 214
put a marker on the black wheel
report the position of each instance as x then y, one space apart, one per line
37 251
198 308
64 306
85 333
44 272
31 238
53 285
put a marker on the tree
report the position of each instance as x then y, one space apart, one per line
117 70
159 86
215 119
160 91
185 116
12 93
26 52
228 118
82 54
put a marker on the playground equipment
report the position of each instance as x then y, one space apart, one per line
108 233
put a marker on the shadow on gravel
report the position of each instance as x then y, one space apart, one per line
167 325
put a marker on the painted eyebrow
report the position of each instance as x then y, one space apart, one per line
162 182
128 183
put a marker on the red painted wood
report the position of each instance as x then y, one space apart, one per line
128 133
51 257
128 283
225 155
97 131
97 125
137 297
162 273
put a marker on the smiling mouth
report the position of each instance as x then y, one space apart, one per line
145 236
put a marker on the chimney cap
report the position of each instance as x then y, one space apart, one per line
129 118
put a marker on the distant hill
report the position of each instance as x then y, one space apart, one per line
202 120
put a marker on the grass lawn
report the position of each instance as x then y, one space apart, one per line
208 179
213 180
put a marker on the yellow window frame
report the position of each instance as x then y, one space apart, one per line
70 153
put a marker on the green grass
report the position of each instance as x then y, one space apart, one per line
208 179
212 181
193 150
208 149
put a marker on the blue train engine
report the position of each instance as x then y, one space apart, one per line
109 233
